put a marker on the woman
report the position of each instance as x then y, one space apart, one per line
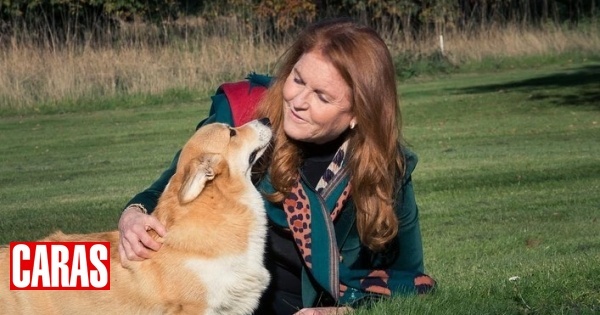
344 225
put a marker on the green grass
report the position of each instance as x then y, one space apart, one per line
508 182
100 102
75 171
508 185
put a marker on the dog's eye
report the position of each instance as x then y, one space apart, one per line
232 132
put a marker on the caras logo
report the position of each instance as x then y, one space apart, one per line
59 266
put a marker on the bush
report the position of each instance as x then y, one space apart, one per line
409 64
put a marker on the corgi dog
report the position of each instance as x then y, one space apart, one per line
211 259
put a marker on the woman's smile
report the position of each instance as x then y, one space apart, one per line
295 117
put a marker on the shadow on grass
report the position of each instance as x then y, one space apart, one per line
576 87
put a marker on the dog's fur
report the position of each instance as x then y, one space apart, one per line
211 259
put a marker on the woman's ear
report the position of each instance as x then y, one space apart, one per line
352 123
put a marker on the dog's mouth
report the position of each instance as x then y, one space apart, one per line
264 133
256 154
253 157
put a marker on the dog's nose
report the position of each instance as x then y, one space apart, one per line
265 121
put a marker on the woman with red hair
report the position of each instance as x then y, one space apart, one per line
344 225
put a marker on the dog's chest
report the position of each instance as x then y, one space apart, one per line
233 284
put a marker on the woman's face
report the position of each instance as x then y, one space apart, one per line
316 100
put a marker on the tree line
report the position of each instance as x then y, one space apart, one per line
66 20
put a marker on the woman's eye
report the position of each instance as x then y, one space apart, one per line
323 98
232 132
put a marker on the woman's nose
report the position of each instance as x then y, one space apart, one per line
301 100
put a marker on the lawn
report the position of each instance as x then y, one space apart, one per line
507 183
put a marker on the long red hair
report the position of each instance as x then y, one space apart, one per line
364 62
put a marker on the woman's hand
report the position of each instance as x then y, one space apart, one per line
134 241
325 311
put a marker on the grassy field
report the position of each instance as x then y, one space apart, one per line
508 182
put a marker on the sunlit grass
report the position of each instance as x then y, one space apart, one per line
507 181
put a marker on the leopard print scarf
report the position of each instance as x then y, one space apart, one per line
298 210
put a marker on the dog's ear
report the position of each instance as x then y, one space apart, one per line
197 174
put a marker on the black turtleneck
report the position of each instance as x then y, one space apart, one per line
316 158
284 295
